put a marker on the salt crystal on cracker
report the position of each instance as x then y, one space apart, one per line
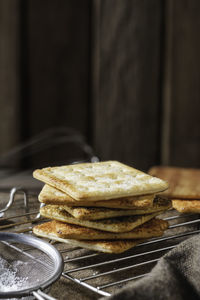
100 181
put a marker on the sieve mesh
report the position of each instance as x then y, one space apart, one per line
22 272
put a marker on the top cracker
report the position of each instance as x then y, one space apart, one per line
100 181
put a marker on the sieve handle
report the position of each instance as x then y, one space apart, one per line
42 296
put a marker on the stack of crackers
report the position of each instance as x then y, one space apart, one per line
103 206
184 188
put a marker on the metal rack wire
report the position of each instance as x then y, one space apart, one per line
106 273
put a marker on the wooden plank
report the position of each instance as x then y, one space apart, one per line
166 83
58 70
184 84
127 103
9 74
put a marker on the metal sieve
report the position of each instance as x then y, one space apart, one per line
28 266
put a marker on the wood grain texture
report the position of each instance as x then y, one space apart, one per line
127 107
123 73
9 69
58 43
185 89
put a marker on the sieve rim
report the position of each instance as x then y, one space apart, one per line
46 248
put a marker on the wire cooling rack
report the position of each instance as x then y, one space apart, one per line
99 272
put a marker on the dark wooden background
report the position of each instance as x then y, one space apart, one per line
126 74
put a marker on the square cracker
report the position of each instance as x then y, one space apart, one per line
98 213
152 228
51 195
186 206
107 246
183 182
119 224
100 181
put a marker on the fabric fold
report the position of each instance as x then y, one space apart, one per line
176 276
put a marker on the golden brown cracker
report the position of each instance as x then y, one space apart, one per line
152 228
183 182
51 195
47 230
120 224
186 206
98 213
100 180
